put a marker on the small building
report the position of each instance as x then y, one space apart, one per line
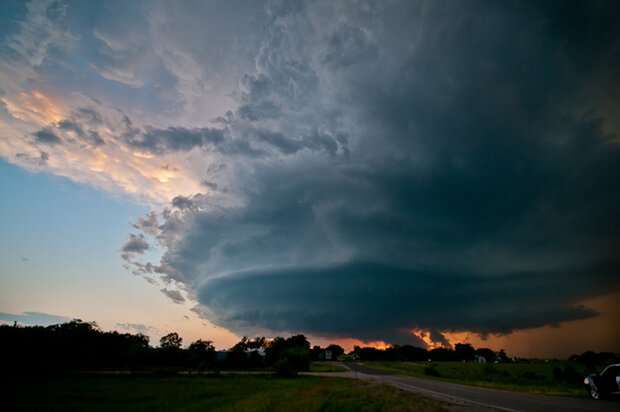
221 355
259 351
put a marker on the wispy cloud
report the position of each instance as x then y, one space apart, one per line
136 328
34 318
174 295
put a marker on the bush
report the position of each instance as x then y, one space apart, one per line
431 370
284 369
298 357
571 375
558 374
489 369
531 376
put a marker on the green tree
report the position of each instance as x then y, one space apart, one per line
201 346
140 340
502 356
171 341
464 351
246 344
336 350
486 353
241 345
296 351
202 354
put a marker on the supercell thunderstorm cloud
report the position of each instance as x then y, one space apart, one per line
408 166
370 170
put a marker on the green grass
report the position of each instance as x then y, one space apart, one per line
534 377
204 393
326 367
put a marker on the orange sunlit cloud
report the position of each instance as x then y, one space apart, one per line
111 166
35 107
599 334
546 342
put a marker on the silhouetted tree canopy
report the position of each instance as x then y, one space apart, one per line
201 346
71 344
171 341
486 353
79 344
247 344
296 351
594 358
464 351
202 354
336 350
442 354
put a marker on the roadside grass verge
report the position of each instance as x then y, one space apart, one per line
534 377
205 393
326 367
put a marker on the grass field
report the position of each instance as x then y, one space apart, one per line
204 393
326 367
534 377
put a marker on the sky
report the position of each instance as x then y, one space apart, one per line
373 173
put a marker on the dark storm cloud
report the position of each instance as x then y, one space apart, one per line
438 338
174 295
466 179
41 160
148 224
135 244
176 139
366 300
181 139
208 184
80 126
253 142
323 142
262 110
182 202
283 144
90 136
46 136
88 115
348 46
72 126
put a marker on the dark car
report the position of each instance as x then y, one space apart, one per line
605 383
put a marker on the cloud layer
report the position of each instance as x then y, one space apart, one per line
34 318
358 170
470 191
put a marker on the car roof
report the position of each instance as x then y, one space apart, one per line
610 366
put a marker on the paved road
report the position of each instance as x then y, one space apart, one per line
464 397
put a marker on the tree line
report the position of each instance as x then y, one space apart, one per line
81 345
461 352
467 353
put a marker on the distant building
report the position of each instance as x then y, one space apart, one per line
260 351
328 355
479 359
223 354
